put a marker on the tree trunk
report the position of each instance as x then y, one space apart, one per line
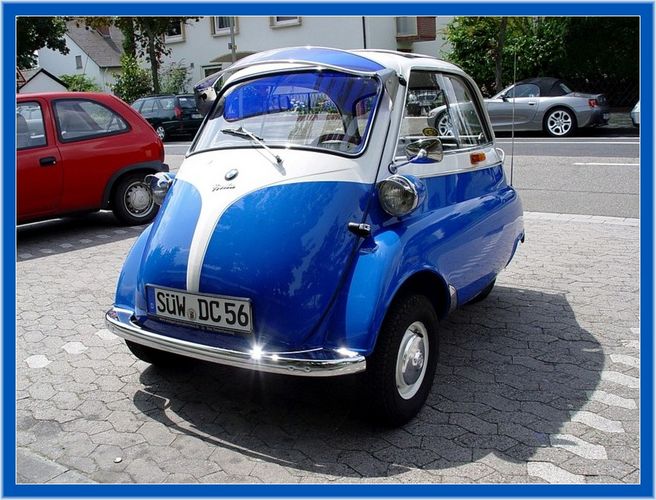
498 56
129 43
152 55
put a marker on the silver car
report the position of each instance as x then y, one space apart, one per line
544 103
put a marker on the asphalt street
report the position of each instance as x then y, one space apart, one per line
593 174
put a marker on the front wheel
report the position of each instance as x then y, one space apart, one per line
560 122
133 202
400 372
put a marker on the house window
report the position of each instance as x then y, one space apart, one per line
175 32
221 25
210 70
406 26
78 62
284 21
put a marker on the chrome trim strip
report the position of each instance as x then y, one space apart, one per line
299 363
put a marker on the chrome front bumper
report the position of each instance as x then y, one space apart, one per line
311 363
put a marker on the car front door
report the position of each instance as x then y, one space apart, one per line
39 162
520 102
94 141
464 236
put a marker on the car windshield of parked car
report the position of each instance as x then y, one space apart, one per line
187 102
324 110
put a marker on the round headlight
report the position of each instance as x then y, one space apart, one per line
399 195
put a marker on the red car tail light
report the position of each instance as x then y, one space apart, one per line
592 103
178 113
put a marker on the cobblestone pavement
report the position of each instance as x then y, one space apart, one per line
539 383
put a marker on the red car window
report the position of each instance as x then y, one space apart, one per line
81 119
30 132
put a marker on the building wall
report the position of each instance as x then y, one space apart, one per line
42 83
65 64
255 34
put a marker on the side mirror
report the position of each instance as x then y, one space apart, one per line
425 151
428 150
504 97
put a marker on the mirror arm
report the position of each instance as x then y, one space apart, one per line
394 167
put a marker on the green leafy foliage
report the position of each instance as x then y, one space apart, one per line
174 78
34 33
574 48
133 82
80 83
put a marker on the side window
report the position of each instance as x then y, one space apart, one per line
167 103
30 132
148 106
81 119
463 116
137 105
524 90
425 112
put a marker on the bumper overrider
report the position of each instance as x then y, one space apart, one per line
310 363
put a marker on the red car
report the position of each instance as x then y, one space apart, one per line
84 151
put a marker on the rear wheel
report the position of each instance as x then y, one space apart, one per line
161 132
560 122
133 202
400 372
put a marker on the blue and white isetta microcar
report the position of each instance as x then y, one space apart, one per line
320 227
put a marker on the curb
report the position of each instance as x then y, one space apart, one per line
588 219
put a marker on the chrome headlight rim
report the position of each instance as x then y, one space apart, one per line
407 185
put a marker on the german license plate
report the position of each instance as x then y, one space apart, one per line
203 311
196 115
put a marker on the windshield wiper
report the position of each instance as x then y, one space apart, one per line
242 132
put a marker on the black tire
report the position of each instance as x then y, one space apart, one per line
484 294
559 122
132 201
387 404
156 357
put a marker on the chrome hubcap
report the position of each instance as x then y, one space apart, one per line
444 126
411 360
559 122
160 132
138 199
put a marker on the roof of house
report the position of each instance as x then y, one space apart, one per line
105 51
23 76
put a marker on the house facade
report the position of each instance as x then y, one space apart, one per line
206 46
38 81
94 53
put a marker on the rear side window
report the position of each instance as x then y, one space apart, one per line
167 103
187 102
82 119
137 104
30 132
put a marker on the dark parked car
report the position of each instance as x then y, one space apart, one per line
82 152
170 115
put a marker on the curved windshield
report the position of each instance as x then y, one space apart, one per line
318 109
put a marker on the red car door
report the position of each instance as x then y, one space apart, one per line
39 162
95 142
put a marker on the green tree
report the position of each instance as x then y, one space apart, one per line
174 78
80 83
34 33
133 82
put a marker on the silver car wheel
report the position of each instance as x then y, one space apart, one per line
161 132
411 360
138 200
444 126
559 122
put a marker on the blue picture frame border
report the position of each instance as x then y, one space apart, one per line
9 11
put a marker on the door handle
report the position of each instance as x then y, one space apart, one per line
47 161
532 103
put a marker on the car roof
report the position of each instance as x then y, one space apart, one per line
57 95
364 60
549 86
